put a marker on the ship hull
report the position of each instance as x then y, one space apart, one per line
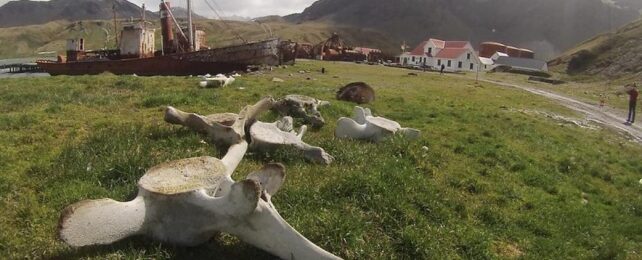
212 61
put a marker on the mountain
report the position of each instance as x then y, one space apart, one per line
181 13
25 12
546 26
610 56
635 4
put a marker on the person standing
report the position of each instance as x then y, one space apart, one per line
633 93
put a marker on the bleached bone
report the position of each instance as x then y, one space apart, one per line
217 127
187 202
269 136
364 126
303 107
264 136
217 82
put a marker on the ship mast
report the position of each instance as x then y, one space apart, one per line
190 26
113 8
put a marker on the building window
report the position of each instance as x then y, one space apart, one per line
459 64
438 62
449 63
472 66
468 56
413 58
430 50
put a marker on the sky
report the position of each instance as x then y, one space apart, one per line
244 8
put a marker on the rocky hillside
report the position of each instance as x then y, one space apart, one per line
607 56
547 26
24 12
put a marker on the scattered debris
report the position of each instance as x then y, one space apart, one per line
413 74
357 92
586 123
585 198
277 80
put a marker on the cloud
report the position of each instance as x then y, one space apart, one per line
245 8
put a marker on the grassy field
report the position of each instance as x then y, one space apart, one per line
484 181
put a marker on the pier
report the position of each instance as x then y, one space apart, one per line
21 68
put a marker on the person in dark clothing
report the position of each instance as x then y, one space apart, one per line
632 91
443 67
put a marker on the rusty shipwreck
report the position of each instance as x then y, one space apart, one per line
182 53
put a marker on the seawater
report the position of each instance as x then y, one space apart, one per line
5 73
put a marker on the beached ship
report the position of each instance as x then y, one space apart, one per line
182 53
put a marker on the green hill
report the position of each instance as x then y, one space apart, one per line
27 41
611 56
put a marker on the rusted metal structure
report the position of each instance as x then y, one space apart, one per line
488 49
167 30
180 55
513 51
335 49
305 51
526 53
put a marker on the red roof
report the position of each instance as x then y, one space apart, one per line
451 53
419 50
439 44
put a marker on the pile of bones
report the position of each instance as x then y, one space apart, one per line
187 202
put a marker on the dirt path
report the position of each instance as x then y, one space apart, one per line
592 112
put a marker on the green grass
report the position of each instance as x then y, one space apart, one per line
483 181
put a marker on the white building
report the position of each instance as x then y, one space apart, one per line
454 55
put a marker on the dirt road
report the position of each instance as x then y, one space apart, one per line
592 112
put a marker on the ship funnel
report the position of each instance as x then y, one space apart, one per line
166 28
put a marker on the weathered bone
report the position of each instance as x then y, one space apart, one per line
264 136
217 82
302 107
268 136
217 127
186 202
367 127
